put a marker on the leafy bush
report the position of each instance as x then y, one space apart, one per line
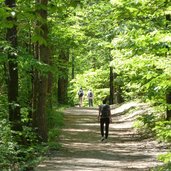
8 155
163 131
165 158
148 79
17 155
55 122
145 124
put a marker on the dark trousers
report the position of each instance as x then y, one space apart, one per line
90 102
104 127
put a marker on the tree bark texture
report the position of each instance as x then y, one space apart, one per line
50 85
40 82
63 77
11 37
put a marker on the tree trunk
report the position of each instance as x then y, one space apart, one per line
73 67
168 111
63 77
168 94
111 82
35 89
50 81
111 98
11 37
40 85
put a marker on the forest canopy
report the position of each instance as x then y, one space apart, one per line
49 49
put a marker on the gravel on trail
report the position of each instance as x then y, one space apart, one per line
82 149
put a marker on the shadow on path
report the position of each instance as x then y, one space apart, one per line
82 150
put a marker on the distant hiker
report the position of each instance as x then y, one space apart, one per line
90 98
105 118
80 96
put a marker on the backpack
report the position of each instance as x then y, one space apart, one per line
90 94
80 93
105 110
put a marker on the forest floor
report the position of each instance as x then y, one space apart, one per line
82 149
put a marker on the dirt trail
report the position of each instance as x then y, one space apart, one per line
83 151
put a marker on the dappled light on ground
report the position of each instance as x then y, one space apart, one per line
82 150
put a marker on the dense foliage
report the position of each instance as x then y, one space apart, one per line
64 45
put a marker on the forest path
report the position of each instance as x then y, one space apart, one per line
82 150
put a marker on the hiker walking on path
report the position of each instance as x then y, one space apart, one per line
80 96
105 118
90 98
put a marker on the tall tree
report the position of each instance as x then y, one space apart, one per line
42 54
63 76
111 97
11 37
168 93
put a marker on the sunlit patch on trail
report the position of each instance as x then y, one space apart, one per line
82 149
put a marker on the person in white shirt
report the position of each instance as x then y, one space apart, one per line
90 98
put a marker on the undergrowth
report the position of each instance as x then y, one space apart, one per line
55 123
154 125
26 155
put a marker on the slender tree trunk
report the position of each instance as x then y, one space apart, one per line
168 111
43 80
62 90
11 37
111 99
50 80
168 93
35 89
73 67
63 78
111 96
